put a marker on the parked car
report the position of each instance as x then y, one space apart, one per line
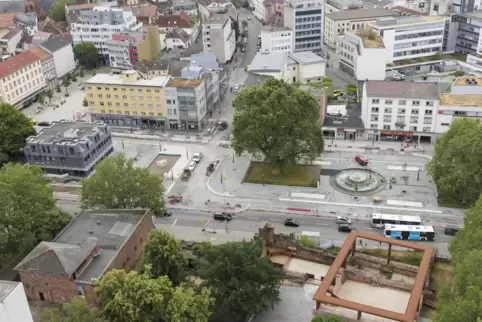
249 18
167 213
243 49
361 160
451 230
43 123
343 220
224 216
192 166
290 222
345 228
197 156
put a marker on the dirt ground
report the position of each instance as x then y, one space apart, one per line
160 171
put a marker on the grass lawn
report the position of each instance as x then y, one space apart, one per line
302 175
411 257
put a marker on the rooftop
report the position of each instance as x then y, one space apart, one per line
55 43
407 20
370 39
145 66
474 14
84 6
272 62
468 81
378 3
360 14
6 19
181 82
107 79
7 287
178 33
9 33
469 100
146 11
410 90
109 229
408 12
40 53
65 131
221 16
16 63
306 57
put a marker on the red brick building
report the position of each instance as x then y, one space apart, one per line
93 243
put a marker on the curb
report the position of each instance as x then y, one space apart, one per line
208 182
235 210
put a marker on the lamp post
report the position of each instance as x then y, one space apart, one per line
418 175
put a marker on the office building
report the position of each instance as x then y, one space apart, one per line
72 148
275 39
468 29
127 99
337 23
219 34
98 24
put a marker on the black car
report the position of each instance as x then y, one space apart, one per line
451 230
43 124
290 222
224 216
345 228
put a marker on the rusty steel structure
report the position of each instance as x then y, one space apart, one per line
349 247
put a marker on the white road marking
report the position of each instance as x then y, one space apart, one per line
174 223
380 161
170 187
276 220
308 195
323 163
404 203
253 217
401 168
321 224
360 205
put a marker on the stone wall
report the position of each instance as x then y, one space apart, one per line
377 263
356 275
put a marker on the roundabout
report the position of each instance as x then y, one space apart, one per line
356 181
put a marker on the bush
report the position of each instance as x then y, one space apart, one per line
307 242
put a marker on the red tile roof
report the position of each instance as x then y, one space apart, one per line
6 19
182 21
16 63
40 53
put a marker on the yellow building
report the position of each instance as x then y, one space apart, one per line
127 99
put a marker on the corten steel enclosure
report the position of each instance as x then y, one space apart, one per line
340 261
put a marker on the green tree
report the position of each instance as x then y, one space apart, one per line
243 283
457 163
118 184
40 99
50 95
279 122
187 305
57 88
94 72
28 213
50 315
86 54
306 241
79 311
164 255
57 10
81 72
66 83
15 127
85 103
331 318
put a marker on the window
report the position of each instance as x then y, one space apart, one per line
428 112
168 101
401 111
429 103
445 124
375 101
149 105
386 127
427 120
460 113
149 98
416 103
402 102
388 102
414 112
374 109
414 119
374 118
143 113
388 111
387 118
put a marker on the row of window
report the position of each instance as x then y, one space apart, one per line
417 51
126 105
140 98
401 111
23 71
420 35
20 90
402 102
401 119
123 89
411 128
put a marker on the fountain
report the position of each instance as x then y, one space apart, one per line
358 181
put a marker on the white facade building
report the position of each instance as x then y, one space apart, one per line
362 55
411 37
63 55
219 36
276 39
305 19
13 303
400 109
98 24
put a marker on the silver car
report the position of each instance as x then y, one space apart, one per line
343 220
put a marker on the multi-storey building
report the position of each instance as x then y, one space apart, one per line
275 39
265 10
63 55
48 65
340 5
186 104
305 18
400 109
9 39
337 23
411 37
21 79
127 99
71 148
187 6
211 83
469 35
219 34
127 49
99 24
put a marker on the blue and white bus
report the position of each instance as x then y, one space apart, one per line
379 220
402 232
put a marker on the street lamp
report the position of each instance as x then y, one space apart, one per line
418 175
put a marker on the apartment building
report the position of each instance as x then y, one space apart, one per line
337 23
21 79
276 39
362 55
72 148
305 19
219 34
9 40
411 37
63 55
211 84
400 109
128 48
468 28
48 65
265 10
73 12
186 104
127 99
99 24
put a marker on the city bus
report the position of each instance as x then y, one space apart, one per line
378 220
403 232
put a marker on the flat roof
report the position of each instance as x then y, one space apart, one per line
410 90
184 82
369 38
268 62
407 20
474 14
359 14
470 100
112 228
107 79
464 81
306 57
7 287
65 131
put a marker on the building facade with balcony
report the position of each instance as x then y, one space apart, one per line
71 148
219 34
400 109
127 99
98 24
305 18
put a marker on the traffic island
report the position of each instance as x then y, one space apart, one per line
300 175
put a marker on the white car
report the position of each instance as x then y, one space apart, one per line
192 166
343 220
197 156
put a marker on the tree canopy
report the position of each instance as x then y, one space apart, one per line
86 54
279 122
75 311
164 255
57 10
118 184
457 163
28 213
331 318
133 297
243 283
15 127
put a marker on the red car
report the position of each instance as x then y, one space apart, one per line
361 160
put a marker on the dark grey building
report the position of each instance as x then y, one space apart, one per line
72 148
469 27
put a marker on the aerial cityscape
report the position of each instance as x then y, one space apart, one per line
240 160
